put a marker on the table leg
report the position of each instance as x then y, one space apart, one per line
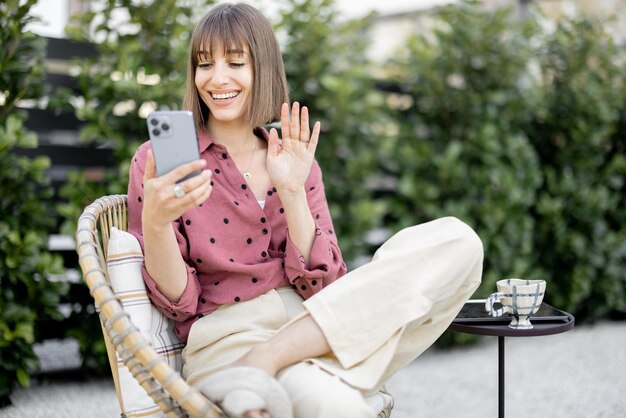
501 376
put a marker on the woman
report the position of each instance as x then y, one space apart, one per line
242 255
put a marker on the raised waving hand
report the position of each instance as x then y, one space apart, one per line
289 162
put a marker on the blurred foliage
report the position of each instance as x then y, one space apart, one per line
577 130
141 66
519 132
328 71
26 293
460 150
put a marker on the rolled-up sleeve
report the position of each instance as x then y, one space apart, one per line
325 261
187 305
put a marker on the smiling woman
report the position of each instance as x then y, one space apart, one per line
245 259
224 83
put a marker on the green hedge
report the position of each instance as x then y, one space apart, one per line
577 131
26 293
516 130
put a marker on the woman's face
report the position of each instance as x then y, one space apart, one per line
224 82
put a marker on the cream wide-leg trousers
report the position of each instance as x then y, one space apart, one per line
377 319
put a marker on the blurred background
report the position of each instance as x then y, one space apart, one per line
508 114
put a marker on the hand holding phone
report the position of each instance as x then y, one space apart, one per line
175 179
174 140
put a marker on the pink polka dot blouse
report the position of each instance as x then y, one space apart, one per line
235 250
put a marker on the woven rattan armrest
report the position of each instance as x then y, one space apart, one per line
165 385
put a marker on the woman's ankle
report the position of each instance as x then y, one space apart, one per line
262 357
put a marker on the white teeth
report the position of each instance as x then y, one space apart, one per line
224 96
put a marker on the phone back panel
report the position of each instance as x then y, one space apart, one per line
174 139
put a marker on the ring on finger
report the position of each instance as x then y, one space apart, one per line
179 191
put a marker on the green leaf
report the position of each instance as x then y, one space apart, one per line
23 377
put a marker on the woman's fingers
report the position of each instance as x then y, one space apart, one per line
315 135
273 143
195 187
150 169
295 121
304 125
183 171
295 125
284 121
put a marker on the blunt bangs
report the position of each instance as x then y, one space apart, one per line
219 29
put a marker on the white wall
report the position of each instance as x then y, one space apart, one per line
54 15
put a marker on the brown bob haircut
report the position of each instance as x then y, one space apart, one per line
239 26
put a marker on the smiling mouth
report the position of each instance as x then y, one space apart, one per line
224 96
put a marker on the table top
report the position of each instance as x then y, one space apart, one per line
503 330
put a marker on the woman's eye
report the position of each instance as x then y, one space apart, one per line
237 64
204 64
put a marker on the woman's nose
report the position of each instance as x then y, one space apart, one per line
220 74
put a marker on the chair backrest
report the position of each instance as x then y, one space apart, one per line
166 386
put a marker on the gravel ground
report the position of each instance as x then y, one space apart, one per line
580 373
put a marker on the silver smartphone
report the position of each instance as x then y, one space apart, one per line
174 140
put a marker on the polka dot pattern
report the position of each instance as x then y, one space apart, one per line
235 250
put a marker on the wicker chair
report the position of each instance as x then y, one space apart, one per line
165 385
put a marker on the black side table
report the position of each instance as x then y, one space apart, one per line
502 330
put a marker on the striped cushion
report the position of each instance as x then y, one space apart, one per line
124 262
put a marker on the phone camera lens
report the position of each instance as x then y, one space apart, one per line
165 127
154 122
156 132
